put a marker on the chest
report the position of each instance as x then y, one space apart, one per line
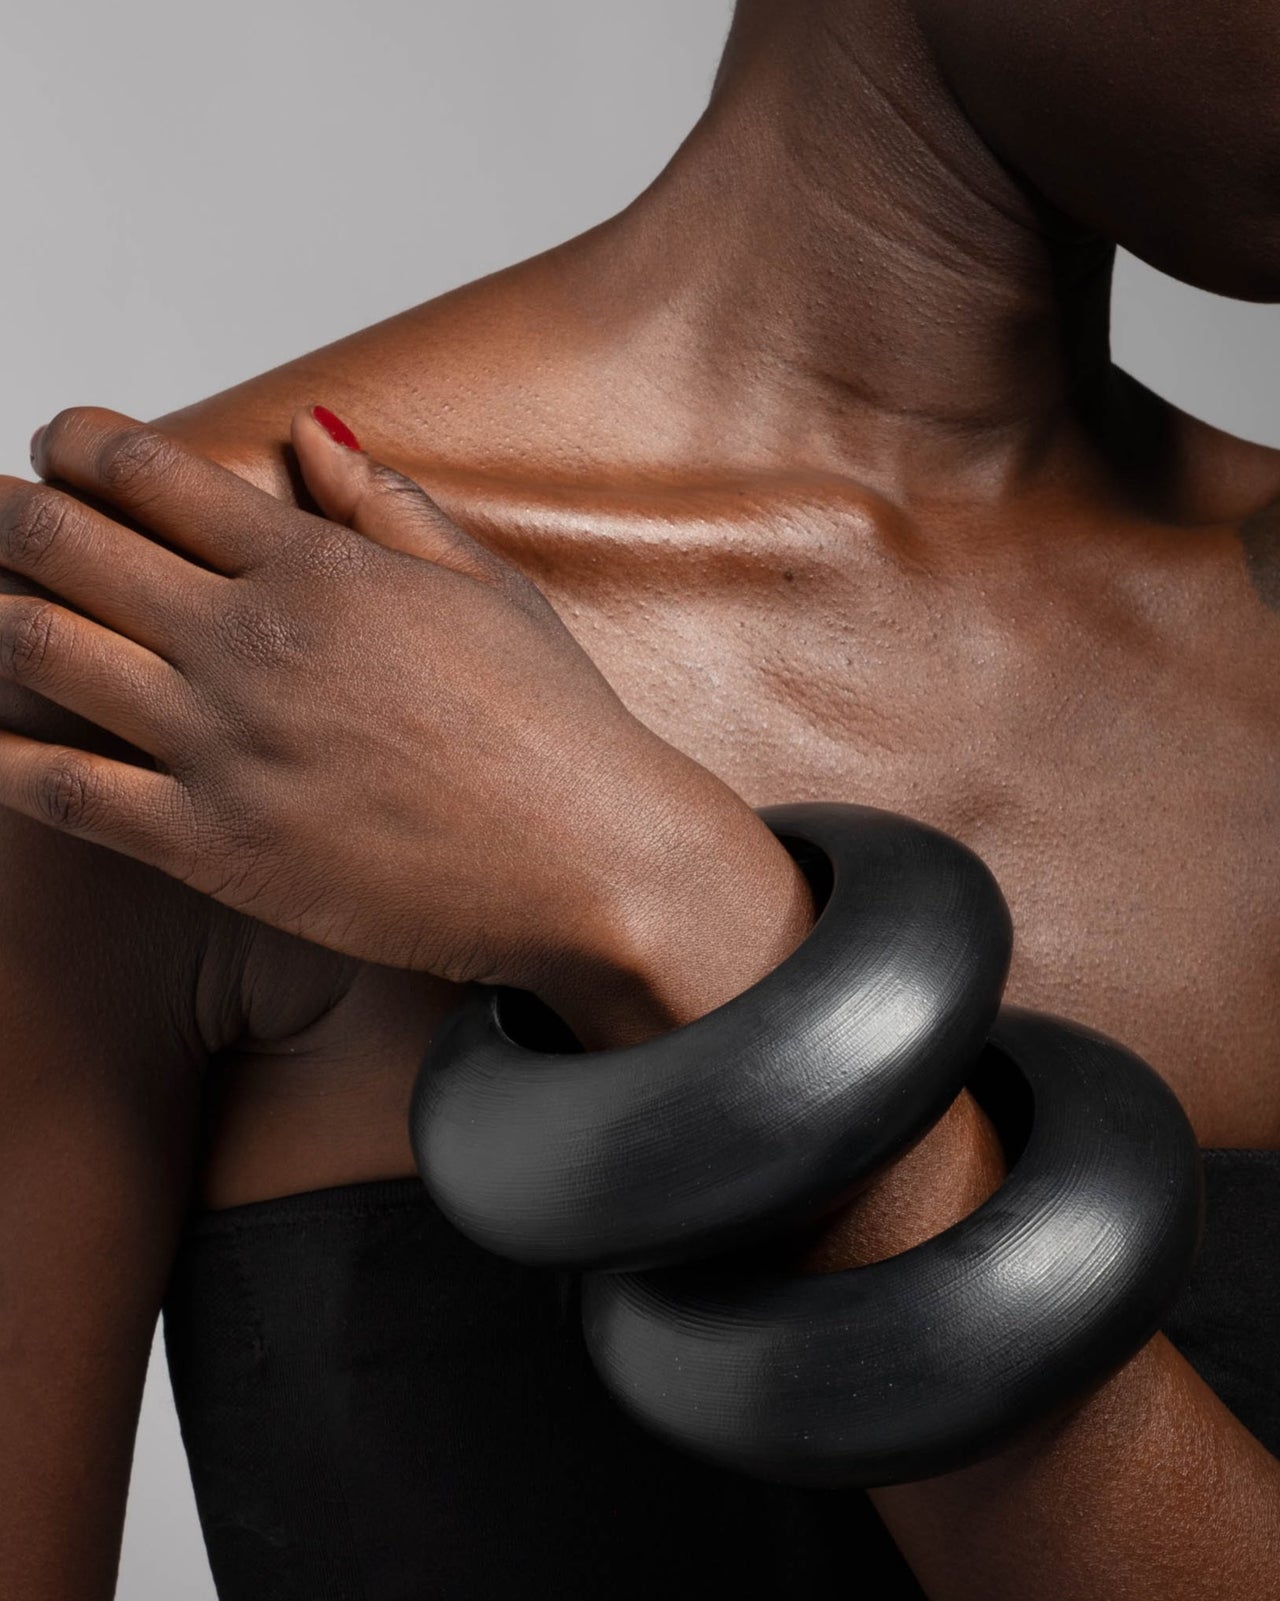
1106 735
1115 759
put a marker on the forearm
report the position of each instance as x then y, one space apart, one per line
1150 1490
698 915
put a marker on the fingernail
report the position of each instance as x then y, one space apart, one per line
336 429
35 440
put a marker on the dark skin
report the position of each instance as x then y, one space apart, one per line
818 457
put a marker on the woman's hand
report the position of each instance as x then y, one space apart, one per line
363 727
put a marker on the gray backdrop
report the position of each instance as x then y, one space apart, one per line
197 194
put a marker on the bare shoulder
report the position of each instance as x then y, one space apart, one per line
504 374
484 380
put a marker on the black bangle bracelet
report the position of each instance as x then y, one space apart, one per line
932 1359
748 1121
630 1164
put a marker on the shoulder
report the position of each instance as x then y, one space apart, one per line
479 381
499 375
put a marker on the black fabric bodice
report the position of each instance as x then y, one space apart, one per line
375 1409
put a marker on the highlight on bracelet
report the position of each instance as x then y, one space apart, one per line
652 1168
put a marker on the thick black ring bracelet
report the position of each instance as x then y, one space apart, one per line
636 1165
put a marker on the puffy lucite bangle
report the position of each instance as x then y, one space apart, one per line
638 1165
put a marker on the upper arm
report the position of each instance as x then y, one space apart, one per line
101 1047
117 985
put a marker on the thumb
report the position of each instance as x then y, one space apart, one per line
352 488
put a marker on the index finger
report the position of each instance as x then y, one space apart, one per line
201 508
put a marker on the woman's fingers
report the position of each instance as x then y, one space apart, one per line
210 513
133 810
100 676
120 577
204 510
353 488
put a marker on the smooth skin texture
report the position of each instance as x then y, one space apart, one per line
817 452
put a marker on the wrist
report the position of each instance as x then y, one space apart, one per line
699 905
947 1174
687 917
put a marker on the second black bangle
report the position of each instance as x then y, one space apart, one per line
932 1359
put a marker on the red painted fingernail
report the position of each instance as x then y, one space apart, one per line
335 427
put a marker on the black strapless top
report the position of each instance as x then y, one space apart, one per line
375 1409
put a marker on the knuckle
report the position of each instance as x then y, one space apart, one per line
26 638
255 635
386 486
66 792
63 426
389 481
131 457
32 522
327 550
464 551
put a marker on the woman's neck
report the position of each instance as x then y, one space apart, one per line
837 262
